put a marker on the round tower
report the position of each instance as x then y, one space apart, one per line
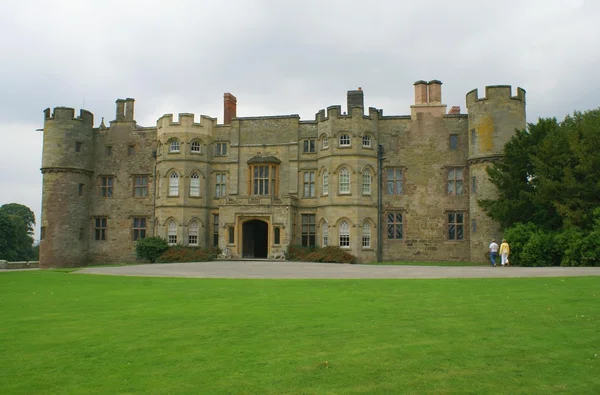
68 150
493 120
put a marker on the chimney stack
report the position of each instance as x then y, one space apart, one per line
355 99
435 92
129 109
420 92
120 109
454 110
230 107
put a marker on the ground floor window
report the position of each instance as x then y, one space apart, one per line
172 233
308 230
344 234
100 225
231 234
277 236
193 234
325 234
139 228
366 235
395 229
456 226
215 241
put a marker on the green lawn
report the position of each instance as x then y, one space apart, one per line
68 333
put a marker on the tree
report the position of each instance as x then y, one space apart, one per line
150 248
15 241
20 211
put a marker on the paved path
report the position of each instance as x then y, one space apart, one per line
283 269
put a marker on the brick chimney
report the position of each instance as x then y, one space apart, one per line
454 110
229 108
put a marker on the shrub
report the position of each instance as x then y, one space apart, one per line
150 248
541 250
329 254
518 236
188 254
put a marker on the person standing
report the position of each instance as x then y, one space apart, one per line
493 252
504 252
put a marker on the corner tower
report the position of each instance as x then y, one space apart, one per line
67 180
493 120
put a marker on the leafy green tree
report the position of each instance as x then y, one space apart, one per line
15 241
20 211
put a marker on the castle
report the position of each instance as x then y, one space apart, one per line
254 185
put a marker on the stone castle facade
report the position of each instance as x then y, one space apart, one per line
254 185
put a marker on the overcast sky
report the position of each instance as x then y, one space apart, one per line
278 57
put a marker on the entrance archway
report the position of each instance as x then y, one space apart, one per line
255 239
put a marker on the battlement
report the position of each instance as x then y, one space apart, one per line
68 114
185 120
495 92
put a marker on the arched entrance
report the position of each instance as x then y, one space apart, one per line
255 239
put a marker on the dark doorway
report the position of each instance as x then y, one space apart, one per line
255 235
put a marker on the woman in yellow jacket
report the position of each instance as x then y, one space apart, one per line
504 252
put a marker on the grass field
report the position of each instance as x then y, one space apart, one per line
68 333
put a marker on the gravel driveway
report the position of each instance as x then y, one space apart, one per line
283 269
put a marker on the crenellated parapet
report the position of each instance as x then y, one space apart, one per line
68 114
495 93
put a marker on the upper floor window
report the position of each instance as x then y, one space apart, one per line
394 181
453 141
195 147
366 185
344 140
344 180
174 184
108 150
138 228
456 226
263 179
308 230
473 137
309 146
366 235
172 233
80 189
78 146
174 146
366 141
193 233
473 185
195 185
220 185
344 235
455 181
325 142
106 186
140 186
309 184
221 149
130 150
325 182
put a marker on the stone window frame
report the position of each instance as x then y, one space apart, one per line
139 227
215 229
174 145
195 191
106 185
309 184
231 235
172 231
277 235
342 172
80 189
452 219
196 147
451 178
220 148
268 179
141 187
324 233
398 189
325 142
108 151
308 230
309 146
173 186
324 182
100 225
366 236
367 141
130 149
220 184
344 236
366 173
78 146
393 224
193 232
453 142
344 140
473 185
